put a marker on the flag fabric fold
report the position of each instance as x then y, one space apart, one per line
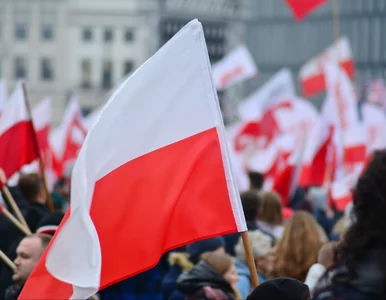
162 180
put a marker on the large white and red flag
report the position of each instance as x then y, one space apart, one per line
17 136
312 76
153 174
236 66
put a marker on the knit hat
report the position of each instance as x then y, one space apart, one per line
280 288
50 222
196 249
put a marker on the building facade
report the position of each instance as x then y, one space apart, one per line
88 46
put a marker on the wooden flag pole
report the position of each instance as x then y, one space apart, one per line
336 19
14 206
7 261
250 259
41 163
15 222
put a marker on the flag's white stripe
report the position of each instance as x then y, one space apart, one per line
14 111
42 113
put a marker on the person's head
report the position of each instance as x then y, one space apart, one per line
196 249
261 249
367 230
31 187
271 208
62 187
281 288
298 248
49 223
326 255
256 180
223 264
28 253
251 204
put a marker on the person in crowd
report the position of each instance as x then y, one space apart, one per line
298 249
213 278
31 187
264 258
271 214
61 194
50 223
181 261
281 288
256 181
28 253
251 204
360 270
325 262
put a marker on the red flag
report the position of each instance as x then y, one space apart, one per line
17 136
153 174
301 8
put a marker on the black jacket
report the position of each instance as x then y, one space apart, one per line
202 275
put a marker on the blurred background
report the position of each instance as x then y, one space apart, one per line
88 46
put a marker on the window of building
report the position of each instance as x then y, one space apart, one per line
107 73
128 67
20 68
86 73
47 32
87 34
46 69
129 35
108 35
21 32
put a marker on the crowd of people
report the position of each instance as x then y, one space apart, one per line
305 251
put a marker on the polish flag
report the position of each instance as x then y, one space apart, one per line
314 162
374 120
279 88
355 145
153 174
235 67
17 136
301 8
285 181
311 75
68 138
42 118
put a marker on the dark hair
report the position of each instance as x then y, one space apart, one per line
30 186
60 183
256 180
251 205
369 210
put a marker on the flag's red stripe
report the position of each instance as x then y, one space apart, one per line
161 200
18 147
355 154
316 84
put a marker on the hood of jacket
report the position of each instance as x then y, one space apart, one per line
200 276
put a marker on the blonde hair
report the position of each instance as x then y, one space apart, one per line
298 249
271 208
260 244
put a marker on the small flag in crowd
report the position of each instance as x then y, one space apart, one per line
153 172
235 67
301 8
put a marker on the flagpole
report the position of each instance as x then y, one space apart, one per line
250 259
41 163
15 221
7 261
336 19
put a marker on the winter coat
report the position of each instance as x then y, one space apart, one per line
367 284
204 283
